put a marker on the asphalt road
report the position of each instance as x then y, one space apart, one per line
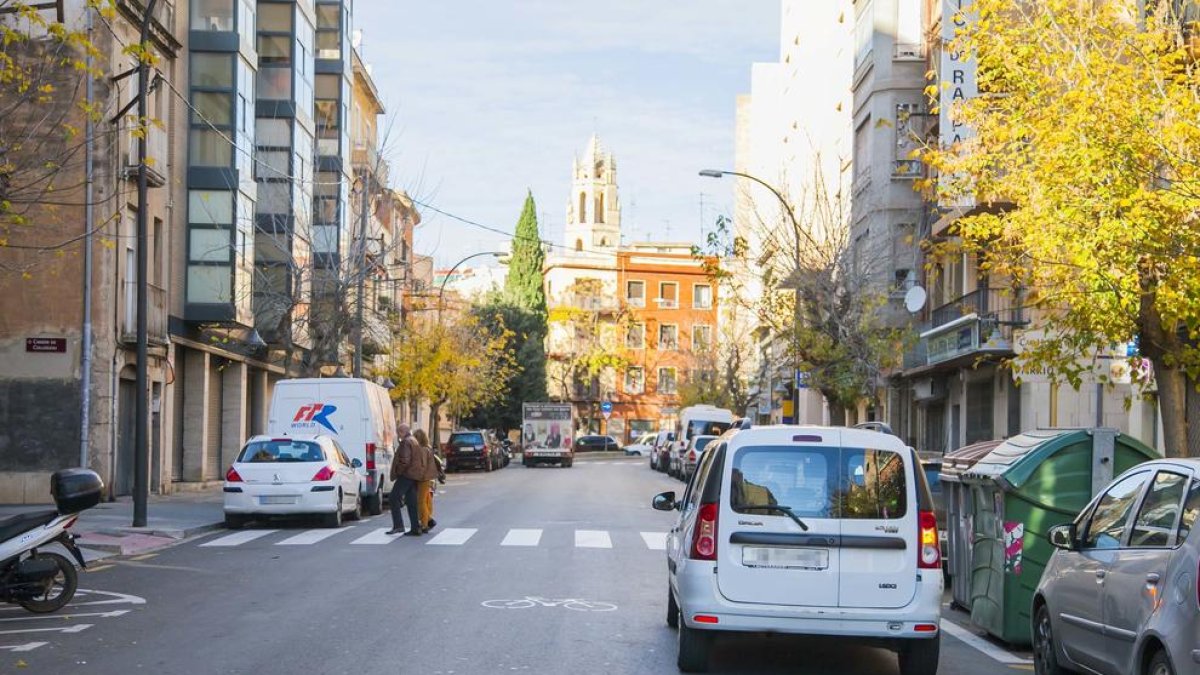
486 592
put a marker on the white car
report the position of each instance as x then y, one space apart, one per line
691 456
643 446
293 475
806 530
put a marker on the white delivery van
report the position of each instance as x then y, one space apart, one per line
356 412
698 420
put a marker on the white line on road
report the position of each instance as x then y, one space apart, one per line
238 538
655 540
77 628
312 536
27 647
378 537
979 644
67 616
592 539
522 538
453 536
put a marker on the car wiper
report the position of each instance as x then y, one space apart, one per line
782 509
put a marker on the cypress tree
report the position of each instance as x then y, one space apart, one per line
524 283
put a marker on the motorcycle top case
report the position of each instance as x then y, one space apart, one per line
75 489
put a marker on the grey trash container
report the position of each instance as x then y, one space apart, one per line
960 516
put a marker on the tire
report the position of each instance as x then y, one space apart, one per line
334 519
357 513
374 504
568 463
920 657
234 522
1160 664
693 648
1045 652
672 609
66 587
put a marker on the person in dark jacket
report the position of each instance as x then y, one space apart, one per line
408 468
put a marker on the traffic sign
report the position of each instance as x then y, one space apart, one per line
606 409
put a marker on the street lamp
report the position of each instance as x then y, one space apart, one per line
442 289
791 214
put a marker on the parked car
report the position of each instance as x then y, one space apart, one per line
660 459
472 449
1119 594
594 443
641 446
293 475
808 530
689 458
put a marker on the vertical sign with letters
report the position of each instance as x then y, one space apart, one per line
958 84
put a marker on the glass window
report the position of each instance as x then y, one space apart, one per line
326 210
209 284
208 147
275 84
668 294
635 380
275 133
1191 509
274 197
666 381
1155 523
1107 523
271 247
208 15
876 486
635 293
209 245
281 451
274 50
274 18
212 70
328 86
702 296
210 207
706 428
701 338
212 108
466 440
325 239
273 163
635 336
800 478
327 16
668 336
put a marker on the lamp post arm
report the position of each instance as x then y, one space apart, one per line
445 279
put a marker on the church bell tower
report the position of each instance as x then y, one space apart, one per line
593 211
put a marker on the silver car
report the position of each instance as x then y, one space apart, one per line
1119 596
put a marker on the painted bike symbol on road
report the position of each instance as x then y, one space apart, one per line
574 604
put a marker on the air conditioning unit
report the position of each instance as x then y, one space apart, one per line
929 389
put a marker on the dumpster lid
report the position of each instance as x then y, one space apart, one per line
1016 459
957 462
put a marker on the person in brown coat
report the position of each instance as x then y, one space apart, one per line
408 468
428 483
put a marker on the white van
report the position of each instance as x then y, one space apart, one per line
358 413
697 420
806 530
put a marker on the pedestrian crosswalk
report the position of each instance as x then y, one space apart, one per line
366 534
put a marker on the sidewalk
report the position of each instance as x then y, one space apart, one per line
107 528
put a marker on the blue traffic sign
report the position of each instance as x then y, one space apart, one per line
606 407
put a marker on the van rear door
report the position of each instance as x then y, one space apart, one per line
765 555
879 525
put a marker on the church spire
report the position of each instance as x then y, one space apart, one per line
593 210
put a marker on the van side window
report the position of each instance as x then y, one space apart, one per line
876 485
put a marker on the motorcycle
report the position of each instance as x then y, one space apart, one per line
43 581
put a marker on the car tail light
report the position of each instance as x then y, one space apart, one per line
704 537
930 552
926 628
326 473
232 476
691 455
370 456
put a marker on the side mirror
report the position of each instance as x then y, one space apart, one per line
664 501
356 463
1063 537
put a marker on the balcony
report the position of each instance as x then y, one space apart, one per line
156 153
366 158
156 315
979 322
908 52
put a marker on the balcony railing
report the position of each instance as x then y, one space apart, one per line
156 315
366 158
974 302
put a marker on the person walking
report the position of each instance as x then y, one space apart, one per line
428 482
408 468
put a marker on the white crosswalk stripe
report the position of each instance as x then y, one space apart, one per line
377 537
656 541
453 536
592 539
518 537
238 538
312 536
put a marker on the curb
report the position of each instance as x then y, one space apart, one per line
175 533
133 541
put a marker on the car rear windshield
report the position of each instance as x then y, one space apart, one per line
466 440
707 428
281 451
820 482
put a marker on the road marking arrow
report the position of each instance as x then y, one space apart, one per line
77 628
67 616
27 647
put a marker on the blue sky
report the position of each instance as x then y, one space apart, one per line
489 98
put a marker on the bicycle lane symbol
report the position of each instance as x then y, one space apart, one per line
530 601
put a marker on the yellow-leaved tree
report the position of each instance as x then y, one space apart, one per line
1084 161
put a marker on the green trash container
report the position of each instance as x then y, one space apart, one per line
1020 490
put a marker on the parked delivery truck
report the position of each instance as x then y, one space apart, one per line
546 430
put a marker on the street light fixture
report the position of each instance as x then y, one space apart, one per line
442 289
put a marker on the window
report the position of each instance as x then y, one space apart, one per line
702 296
635 336
802 479
668 295
578 244
1107 523
274 133
209 284
864 33
275 84
274 198
635 380
212 70
701 338
281 451
214 108
212 15
635 293
274 17
1190 510
666 381
862 150
209 245
1155 523
875 485
582 207
329 35
668 336
599 208
274 50
273 163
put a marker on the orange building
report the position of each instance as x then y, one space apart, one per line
669 318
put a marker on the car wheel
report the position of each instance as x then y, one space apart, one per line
672 609
569 463
1160 664
920 657
357 513
375 502
1045 652
335 519
693 648
234 522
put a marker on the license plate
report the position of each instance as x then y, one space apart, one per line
786 558
275 499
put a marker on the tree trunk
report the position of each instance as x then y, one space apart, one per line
837 414
434 416
1172 401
